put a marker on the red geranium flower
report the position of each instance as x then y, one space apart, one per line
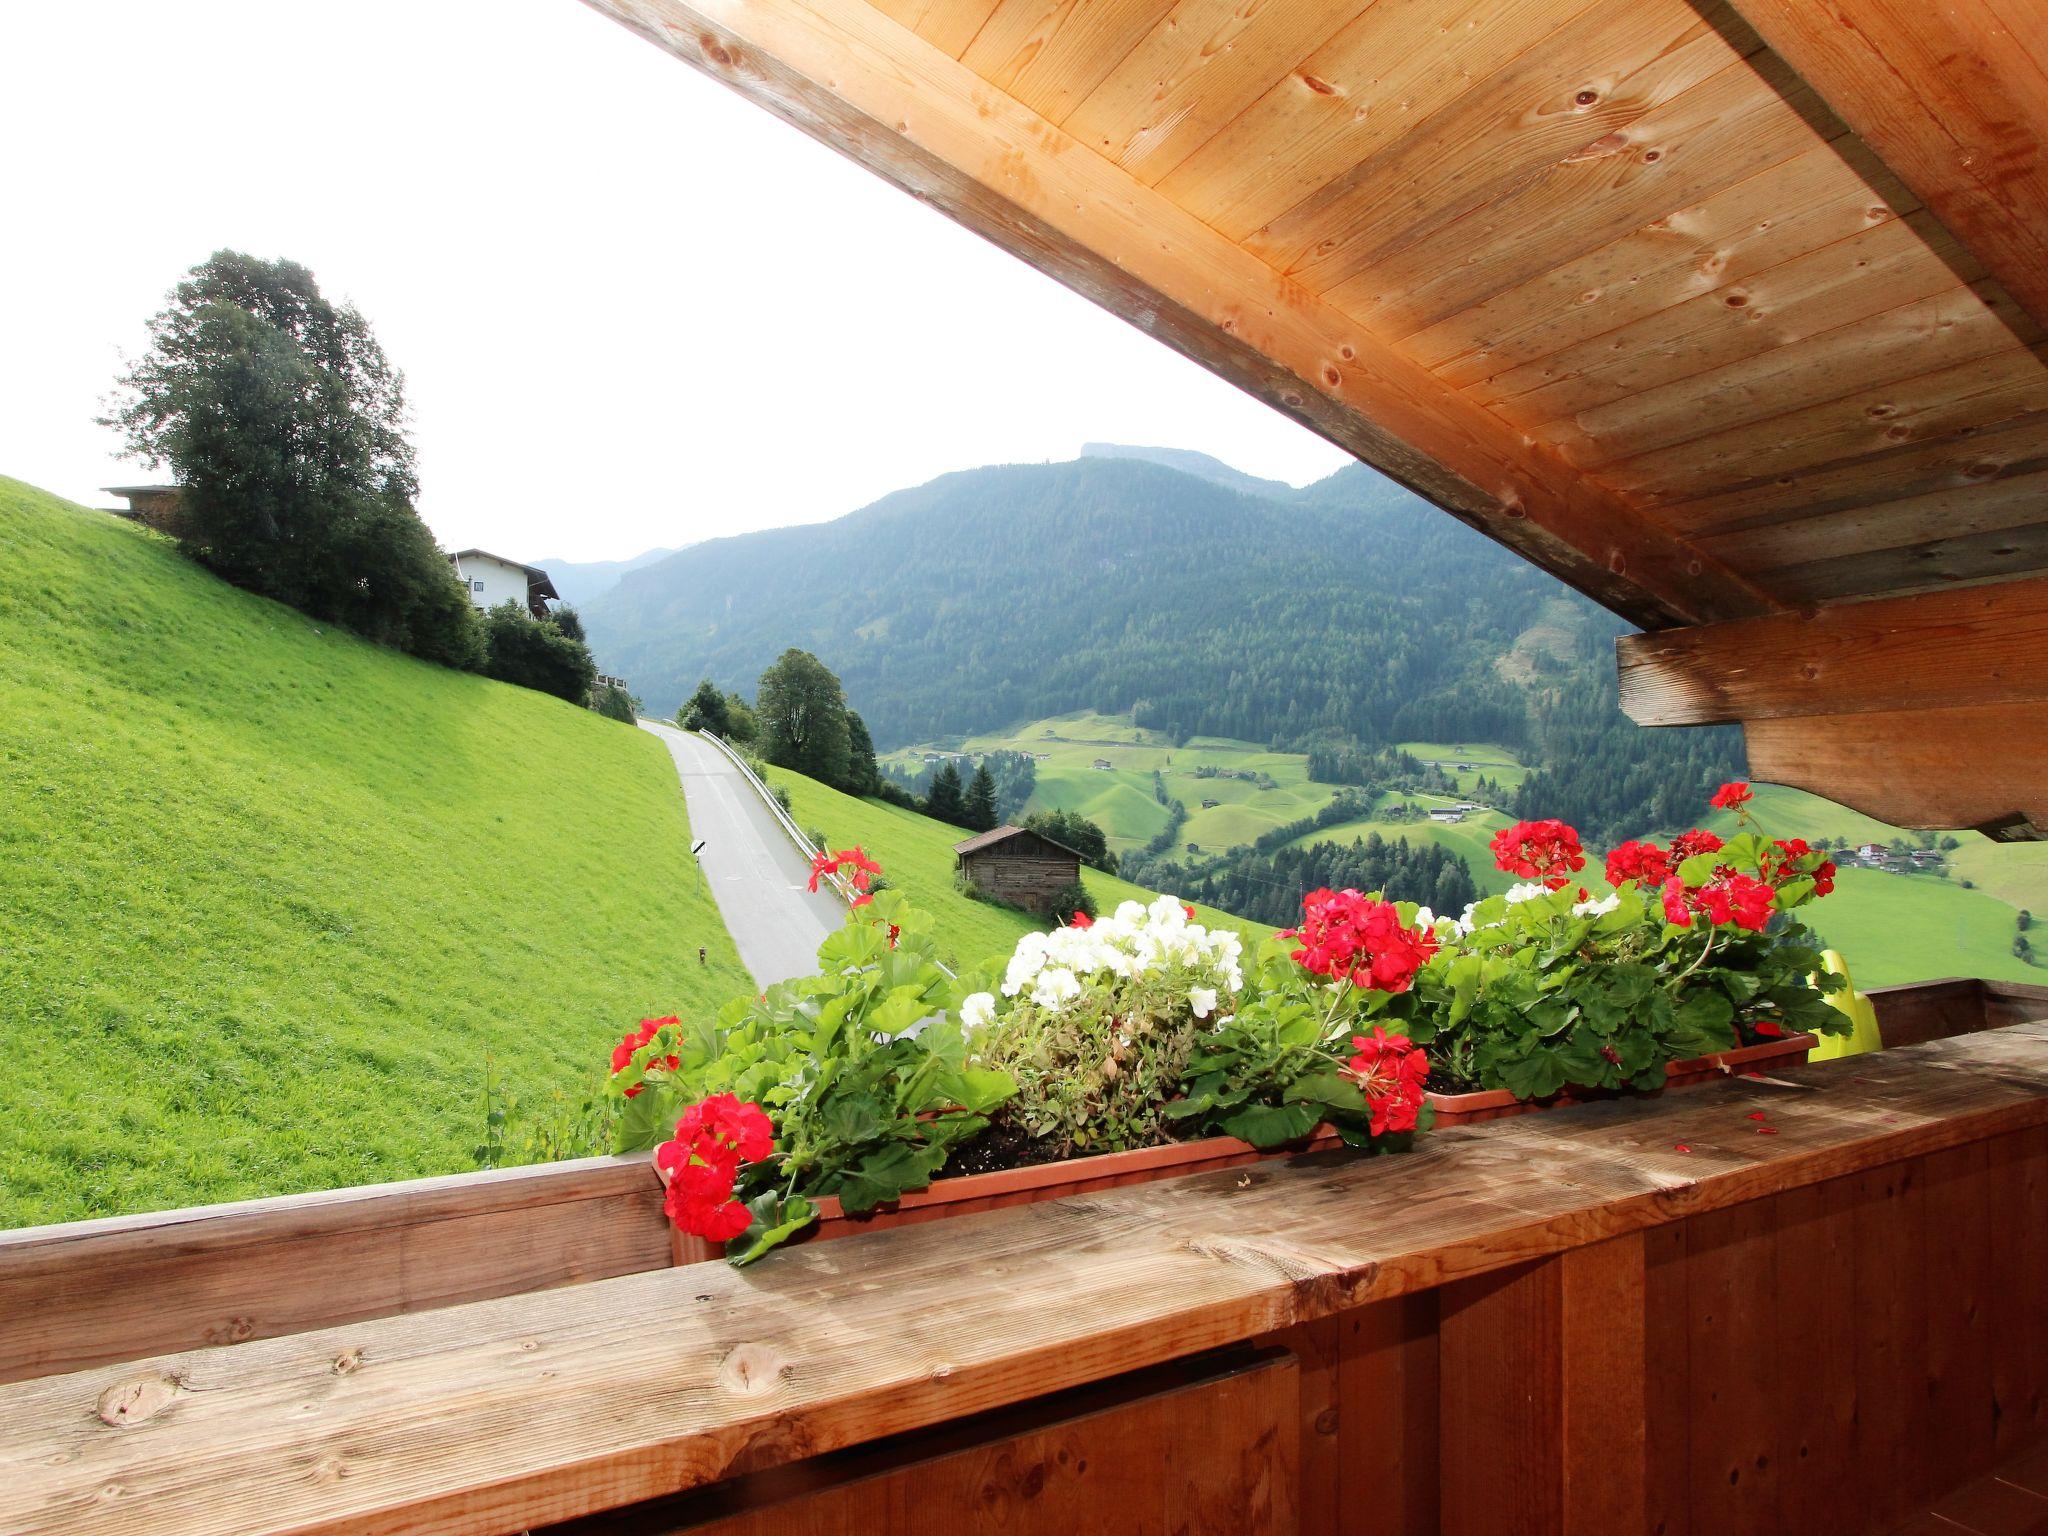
1690 844
1732 796
1677 909
1644 863
1347 936
1795 857
863 867
622 1053
1390 1072
1736 898
701 1164
1539 850
1081 920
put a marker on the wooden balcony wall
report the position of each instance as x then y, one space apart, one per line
1657 1315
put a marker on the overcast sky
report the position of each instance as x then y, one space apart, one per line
632 309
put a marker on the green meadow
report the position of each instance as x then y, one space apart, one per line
270 896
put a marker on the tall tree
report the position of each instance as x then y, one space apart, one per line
863 774
945 802
802 713
705 710
979 811
284 423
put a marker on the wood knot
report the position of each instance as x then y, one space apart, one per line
1319 86
753 1370
138 1399
346 1362
714 51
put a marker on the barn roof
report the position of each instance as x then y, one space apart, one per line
1004 834
1731 313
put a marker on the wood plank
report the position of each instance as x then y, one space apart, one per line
1388 1419
1774 216
2010 501
1198 1446
1051 54
1983 645
1963 1404
948 25
1205 62
1952 103
1813 1319
2019 1230
1584 85
1880 269
1317 1348
845 73
1900 766
1732 1285
1720 133
1395 65
1892 1398
2000 388
481 1417
2000 555
1667 1386
92 1291
1542 1396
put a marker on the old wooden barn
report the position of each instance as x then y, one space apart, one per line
1024 868
1728 312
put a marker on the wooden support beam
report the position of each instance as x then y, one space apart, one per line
1952 96
848 75
1924 711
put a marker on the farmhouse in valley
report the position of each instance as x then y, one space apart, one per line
1023 868
492 579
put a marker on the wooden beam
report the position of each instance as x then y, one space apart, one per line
848 75
1971 645
1983 765
1952 97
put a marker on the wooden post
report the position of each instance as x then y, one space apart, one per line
1543 1396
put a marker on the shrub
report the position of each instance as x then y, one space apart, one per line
1071 898
614 703
521 649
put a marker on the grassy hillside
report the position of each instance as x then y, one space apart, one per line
916 855
269 895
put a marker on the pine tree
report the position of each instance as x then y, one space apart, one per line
979 813
945 802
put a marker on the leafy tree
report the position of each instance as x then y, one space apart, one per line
1073 830
614 703
284 423
863 777
979 809
568 621
802 712
518 648
746 725
706 710
946 802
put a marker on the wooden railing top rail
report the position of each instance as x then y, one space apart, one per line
501 1414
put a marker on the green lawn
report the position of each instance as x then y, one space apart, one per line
1899 928
1467 838
916 855
269 895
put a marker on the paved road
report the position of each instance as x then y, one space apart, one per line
756 874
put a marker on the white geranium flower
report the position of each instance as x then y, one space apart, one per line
1203 1001
978 1011
1600 908
1057 986
1528 890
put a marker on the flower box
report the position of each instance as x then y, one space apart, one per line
1006 1187
1745 1061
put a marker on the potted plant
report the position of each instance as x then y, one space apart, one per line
1693 965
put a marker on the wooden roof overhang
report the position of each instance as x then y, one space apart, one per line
1727 312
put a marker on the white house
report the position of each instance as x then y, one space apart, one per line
492 579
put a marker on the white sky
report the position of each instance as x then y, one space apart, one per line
632 309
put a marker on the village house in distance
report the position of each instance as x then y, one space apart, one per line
492 579
1020 867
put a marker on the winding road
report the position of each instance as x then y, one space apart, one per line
756 874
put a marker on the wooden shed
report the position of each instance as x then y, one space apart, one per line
1018 866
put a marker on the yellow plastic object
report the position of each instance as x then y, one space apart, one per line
1863 1035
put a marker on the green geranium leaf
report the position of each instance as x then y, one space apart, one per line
1266 1125
775 1222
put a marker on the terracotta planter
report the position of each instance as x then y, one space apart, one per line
1746 1061
1024 1186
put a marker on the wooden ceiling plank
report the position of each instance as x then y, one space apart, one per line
1713 137
863 84
1779 213
1950 100
1983 645
2015 502
948 25
1576 95
1880 268
1958 461
1050 54
1399 62
1976 766
1201 66
1979 394
1934 565
1952 327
